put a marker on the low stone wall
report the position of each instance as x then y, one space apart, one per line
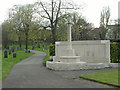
94 51
116 65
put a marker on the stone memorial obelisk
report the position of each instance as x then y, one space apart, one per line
69 34
69 50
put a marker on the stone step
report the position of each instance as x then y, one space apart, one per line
69 58
76 65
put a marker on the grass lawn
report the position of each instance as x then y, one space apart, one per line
8 63
47 56
37 49
107 77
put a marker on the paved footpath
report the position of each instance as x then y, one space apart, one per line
30 73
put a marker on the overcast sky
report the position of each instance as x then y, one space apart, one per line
91 11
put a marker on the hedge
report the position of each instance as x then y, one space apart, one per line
52 50
115 52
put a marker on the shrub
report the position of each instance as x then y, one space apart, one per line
52 50
114 53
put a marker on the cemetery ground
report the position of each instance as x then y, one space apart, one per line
30 73
8 63
108 77
47 76
44 47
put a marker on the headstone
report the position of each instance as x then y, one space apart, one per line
7 47
38 46
12 49
9 52
28 51
33 47
42 48
14 55
5 54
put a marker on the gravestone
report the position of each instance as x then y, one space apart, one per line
9 52
12 49
7 48
5 54
14 55
42 48
38 45
33 47
28 51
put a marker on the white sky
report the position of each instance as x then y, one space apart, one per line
91 11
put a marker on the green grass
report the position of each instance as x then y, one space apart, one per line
38 49
107 77
46 57
8 63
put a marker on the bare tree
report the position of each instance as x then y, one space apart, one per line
52 12
105 16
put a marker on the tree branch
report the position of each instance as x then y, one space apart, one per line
57 13
44 16
45 10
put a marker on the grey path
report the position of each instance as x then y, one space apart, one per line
30 73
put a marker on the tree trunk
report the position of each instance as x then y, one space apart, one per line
20 44
26 41
54 36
